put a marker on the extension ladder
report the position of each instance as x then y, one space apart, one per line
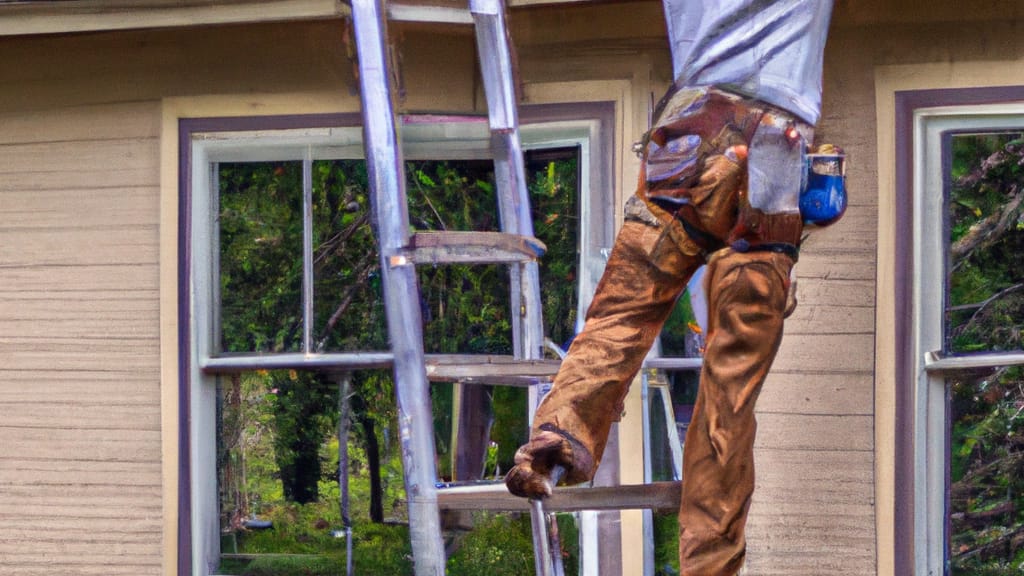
401 252
515 245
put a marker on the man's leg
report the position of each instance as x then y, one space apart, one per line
644 276
747 302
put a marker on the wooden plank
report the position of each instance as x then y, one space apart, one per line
78 314
829 318
113 444
815 265
835 394
94 15
815 432
826 353
491 496
856 293
83 415
472 248
139 489
77 123
83 157
89 281
29 564
127 244
115 385
79 208
488 369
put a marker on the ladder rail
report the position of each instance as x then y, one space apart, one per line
498 71
400 287
400 283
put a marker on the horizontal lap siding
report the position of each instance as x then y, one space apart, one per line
80 471
814 505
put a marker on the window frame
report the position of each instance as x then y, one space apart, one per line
589 125
926 123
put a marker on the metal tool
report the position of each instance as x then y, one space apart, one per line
546 561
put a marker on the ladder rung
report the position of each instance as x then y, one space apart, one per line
471 248
674 363
469 368
489 369
433 12
494 496
228 363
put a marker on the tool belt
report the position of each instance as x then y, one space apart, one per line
694 170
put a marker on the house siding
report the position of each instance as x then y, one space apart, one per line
81 486
80 452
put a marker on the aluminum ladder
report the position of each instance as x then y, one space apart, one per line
401 251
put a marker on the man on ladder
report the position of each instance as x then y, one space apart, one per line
720 184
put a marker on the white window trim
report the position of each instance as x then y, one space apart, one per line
464 139
929 255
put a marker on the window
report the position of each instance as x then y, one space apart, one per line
968 394
275 265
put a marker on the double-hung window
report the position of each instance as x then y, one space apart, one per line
274 260
967 338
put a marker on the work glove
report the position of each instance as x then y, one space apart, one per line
535 460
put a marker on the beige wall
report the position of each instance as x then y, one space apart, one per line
80 467
88 301
87 179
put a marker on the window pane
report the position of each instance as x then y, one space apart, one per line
553 177
986 495
985 307
260 228
348 311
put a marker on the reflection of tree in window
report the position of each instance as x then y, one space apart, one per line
985 313
277 427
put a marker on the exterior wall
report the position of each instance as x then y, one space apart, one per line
80 455
952 46
88 295
89 463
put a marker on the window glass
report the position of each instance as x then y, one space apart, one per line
985 313
278 448
260 278
348 310
985 310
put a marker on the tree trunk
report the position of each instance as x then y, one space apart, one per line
373 464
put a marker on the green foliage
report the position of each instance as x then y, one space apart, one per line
382 550
554 204
295 566
499 545
305 413
278 452
666 544
260 239
502 545
378 550
986 313
510 430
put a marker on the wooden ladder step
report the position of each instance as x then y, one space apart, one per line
433 12
469 248
488 369
468 368
663 496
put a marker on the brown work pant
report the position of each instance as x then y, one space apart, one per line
747 301
694 167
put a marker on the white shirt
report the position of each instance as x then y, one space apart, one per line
771 50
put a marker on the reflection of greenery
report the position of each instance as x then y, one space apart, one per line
986 313
277 451
502 545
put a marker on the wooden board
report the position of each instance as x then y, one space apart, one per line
472 248
494 496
